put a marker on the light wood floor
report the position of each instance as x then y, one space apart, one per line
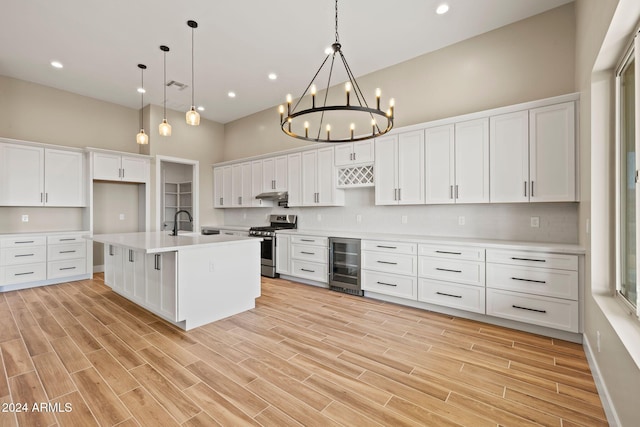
303 356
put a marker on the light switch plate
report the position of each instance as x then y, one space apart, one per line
461 220
121 217
535 222
25 218
404 219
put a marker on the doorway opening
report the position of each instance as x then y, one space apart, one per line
177 188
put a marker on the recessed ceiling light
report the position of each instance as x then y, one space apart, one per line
141 90
442 9
201 108
231 94
56 64
273 76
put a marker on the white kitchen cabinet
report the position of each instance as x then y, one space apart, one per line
113 267
354 153
399 169
222 187
134 267
532 155
318 180
283 254
439 150
309 257
274 174
390 268
37 176
113 166
161 293
236 185
256 185
294 179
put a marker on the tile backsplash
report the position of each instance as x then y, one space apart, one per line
558 222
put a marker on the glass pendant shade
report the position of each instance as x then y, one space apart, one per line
164 128
142 138
193 117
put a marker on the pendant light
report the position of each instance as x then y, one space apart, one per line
164 128
193 117
142 138
292 121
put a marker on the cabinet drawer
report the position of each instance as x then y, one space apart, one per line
538 281
390 263
64 268
453 252
467 272
20 242
534 259
544 311
23 273
72 238
463 297
69 251
390 247
390 284
26 255
309 253
309 270
310 240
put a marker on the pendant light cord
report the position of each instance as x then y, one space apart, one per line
141 97
164 86
192 81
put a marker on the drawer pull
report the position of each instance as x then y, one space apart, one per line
528 259
25 241
529 280
386 247
449 253
69 239
387 262
67 252
386 284
307 240
23 274
449 270
307 253
529 309
21 255
67 268
308 271
449 295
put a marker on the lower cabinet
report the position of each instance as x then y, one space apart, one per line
134 274
161 290
309 258
390 268
283 261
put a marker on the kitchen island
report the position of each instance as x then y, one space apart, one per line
189 280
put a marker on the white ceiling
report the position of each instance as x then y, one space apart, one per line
237 44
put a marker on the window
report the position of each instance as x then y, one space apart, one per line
627 171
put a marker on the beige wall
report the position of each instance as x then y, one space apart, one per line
528 60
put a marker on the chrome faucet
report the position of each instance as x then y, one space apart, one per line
175 221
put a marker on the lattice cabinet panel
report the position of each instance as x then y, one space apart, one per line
356 176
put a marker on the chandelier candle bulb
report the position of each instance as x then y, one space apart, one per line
313 96
373 126
306 129
281 111
378 93
352 128
392 104
288 104
347 88
328 132
289 122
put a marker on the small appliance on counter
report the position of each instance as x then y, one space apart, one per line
268 245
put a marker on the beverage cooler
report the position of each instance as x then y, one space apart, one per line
344 265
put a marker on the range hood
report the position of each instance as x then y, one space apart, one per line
279 196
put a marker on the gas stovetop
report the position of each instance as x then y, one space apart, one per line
278 222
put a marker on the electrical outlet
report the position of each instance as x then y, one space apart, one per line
404 219
121 217
535 222
598 340
461 220
25 218
358 218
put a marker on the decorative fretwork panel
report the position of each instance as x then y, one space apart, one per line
356 176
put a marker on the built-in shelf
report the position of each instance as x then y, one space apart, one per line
178 196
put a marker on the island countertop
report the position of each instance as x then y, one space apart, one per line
161 241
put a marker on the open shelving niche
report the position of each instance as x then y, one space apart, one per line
177 196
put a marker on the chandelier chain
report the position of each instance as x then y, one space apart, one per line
337 36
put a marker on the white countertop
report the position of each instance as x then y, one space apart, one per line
228 227
566 248
161 241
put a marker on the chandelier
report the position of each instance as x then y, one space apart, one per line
307 123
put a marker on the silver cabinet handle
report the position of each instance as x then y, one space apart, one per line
41 197
21 255
354 156
387 262
528 259
307 253
525 189
457 191
450 253
156 262
450 271
307 240
529 280
308 271
451 191
24 241
23 274
66 268
448 295
529 309
273 184
399 194
110 250
386 247
532 195
130 255
69 239
239 200
386 284
66 252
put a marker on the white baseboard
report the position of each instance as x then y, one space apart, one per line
98 268
603 392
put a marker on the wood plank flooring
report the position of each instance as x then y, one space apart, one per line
304 356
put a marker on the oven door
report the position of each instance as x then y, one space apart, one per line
267 251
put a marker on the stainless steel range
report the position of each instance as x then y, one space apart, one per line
268 245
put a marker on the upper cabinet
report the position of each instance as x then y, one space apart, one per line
354 153
274 174
37 176
532 155
113 166
318 179
399 169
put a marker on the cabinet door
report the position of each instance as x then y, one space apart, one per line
281 173
325 179
344 154
309 173
64 178
472 161
236 185
362 152
552 163
134 274
256 185
283 254
439 165
246 198
385 175
509 157
294 179
218 187
113 267
21 175
161 290
227 185
107 166
135 169
411 168
269 174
